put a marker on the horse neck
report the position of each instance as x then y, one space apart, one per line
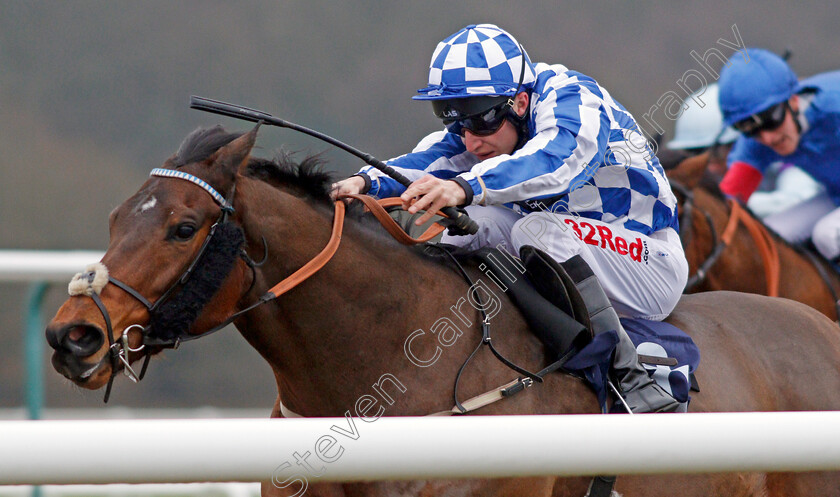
348 322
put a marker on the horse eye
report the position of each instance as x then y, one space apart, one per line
184 231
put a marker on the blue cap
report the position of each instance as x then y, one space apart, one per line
754 83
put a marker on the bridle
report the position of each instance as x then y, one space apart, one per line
118 350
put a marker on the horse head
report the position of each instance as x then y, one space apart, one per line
173 270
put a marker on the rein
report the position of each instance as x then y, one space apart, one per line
737 216
119 350
83 283
763 240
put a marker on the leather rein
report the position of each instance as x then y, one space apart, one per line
119 349
737 216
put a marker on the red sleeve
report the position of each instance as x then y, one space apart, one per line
740 180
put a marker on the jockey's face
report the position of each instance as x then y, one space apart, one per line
501 142
785 139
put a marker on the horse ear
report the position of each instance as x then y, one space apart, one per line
236 153
690 171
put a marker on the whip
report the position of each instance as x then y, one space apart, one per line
461 221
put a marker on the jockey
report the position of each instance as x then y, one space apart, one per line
700 128
782 119
543 156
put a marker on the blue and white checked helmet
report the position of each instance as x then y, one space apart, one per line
479 60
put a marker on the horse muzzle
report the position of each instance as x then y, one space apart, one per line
73 344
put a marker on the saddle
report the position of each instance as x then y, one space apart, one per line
546 296
544 293
535 285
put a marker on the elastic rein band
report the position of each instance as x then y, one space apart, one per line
377 208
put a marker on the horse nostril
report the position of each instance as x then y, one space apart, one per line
79 339
55 336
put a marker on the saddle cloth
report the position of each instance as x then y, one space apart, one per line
668 354
660 339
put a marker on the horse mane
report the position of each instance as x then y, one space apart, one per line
307 176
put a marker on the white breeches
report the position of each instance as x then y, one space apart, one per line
643 276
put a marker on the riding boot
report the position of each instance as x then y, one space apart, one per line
640 392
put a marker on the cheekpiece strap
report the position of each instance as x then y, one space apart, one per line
171 173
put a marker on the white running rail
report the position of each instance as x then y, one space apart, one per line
294 451
44 265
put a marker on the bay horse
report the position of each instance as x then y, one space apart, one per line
743 259
369 322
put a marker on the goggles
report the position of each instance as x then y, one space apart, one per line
483 123
766 120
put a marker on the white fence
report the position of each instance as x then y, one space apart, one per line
44 265
147 490
351 449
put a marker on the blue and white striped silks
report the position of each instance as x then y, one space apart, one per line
585 156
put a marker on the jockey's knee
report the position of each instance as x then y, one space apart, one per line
826 237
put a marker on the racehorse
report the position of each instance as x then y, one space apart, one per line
370 321
750 257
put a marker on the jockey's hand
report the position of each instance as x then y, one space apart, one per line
350 186
430 194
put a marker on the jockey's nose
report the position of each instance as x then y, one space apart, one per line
81 340
471 141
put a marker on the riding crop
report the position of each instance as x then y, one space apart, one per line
460 220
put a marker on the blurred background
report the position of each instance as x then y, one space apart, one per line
94 94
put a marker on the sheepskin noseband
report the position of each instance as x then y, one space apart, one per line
90 282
